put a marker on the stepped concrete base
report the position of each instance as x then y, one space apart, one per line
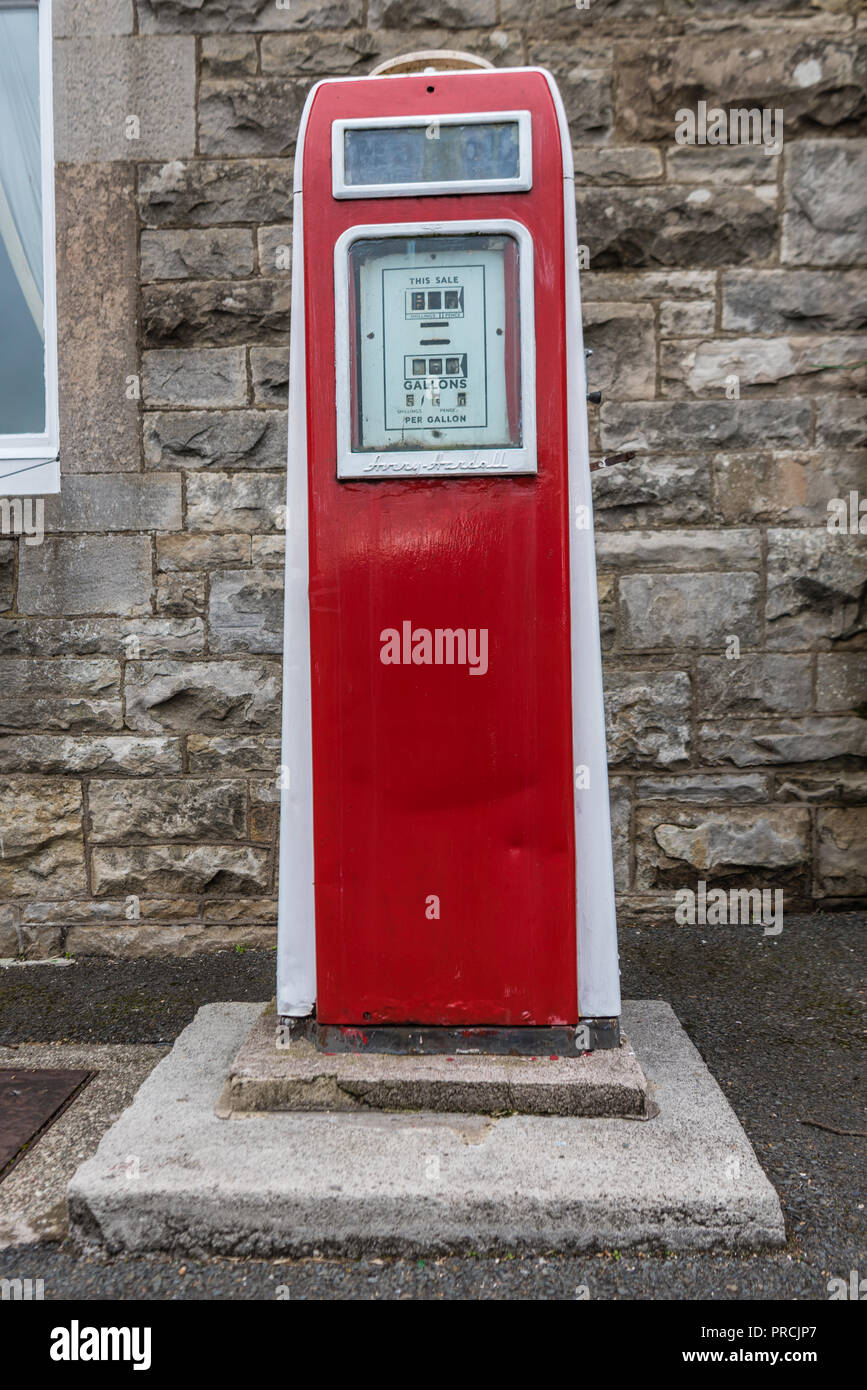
300 1077
367 1181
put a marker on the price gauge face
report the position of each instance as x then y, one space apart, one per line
435 351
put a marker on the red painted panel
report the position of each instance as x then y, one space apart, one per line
429 781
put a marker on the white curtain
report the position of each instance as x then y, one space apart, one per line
20 159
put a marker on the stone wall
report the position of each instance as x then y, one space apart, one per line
140 695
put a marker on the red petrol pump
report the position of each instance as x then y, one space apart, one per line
445 854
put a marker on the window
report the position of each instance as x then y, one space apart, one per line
28 347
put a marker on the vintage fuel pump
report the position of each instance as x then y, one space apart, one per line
445 856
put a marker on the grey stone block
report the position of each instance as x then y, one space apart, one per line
562 18
194 377
124 98
250 115
709 12
196 869
606 592
842 423
620 800
196 254
350 1184
96 911
86 574
842 854
675 225
585 78
119 502
157 940
97 318
236 501
616 165
178 593
275 249
269 369
202 193
104 753
167 809
694 318
67 677
677 425
188 551
850 788
215 312
76 715
215 439
763 742
452 14
356 51
720 164
647 284
142 636
748 70
678 549
7 573
193 16
790 366
705 788
652 491
825 191
207 696
246 611
300 1077
786 486
841 681
647 716
793 301
622 338
675 844
815 587
91 18
754 683
234 753
316 54
269 550
228 55
41 833
688 610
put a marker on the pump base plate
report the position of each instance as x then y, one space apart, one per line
284 1069
369 1182
416 1040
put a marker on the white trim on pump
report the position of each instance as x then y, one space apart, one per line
296 915
598 962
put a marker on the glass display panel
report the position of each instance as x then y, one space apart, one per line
433 153
435 357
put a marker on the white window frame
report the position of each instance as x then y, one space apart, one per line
520 184
29 463
372 465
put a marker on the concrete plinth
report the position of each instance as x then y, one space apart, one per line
367 1181
300 1077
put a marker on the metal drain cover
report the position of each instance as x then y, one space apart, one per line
30 1101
